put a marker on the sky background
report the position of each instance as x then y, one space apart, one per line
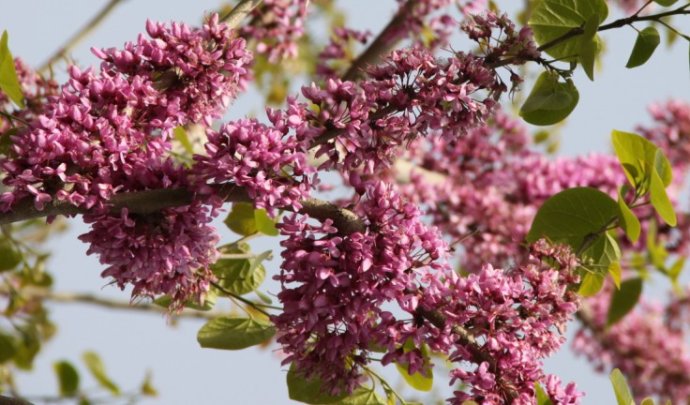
131 343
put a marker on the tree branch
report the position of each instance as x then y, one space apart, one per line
150 201
85 298
468 341
241 10
75 39
382 44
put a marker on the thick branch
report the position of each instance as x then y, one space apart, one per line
149 201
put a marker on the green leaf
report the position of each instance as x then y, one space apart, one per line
9 256
95 365
660 201
676 268
602 252
363 396
180 134
9 82
238 276
309 391
628 220
264 223
208 303
8 347
647 401
552 19
647 41
637 156
591 284
624 300
234 333
241 276
28 347
665 3
550 100
241 219
620 387
421 381
616 272
541 396
590 46
572 215
68 378
417 380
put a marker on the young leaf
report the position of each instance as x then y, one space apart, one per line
309 391
238 275
628 220
9 256
647 41
234 333
572 215
591 284
9 82
541 396
363 396
241 219
624 300
665 3
660 201
264 223
620 387
147 388
8 347
550 100
207 305
181 136
552 19
603 251
676 269
95 365
422 380
68 378
616 272
589 46
647 401
637 156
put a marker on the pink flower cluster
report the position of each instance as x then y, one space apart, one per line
410 95
109 131
270 164
101 126
277 25
334 286
650 351
509 321
498 38
163 252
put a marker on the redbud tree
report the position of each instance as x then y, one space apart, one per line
418 224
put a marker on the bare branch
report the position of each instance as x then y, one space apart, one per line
79 36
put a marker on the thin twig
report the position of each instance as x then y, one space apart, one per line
241 10
75 39
86 298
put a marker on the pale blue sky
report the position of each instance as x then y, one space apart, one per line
130 343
